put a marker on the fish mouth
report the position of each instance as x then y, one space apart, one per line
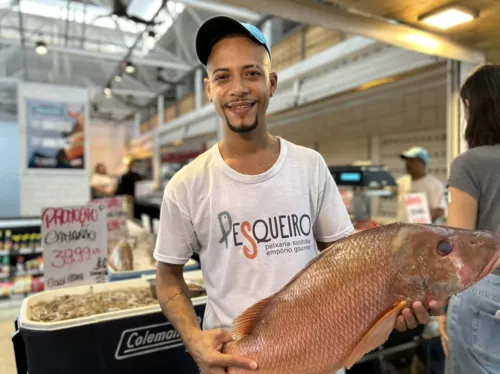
492 265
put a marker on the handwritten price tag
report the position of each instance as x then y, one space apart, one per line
74 241
117 216
417 208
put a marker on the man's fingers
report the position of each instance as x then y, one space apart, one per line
444 343
411 322
223 336
401 324
437 309
420 312
226 360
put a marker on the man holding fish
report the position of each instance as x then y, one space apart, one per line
256 207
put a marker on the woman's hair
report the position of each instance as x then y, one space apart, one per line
97 167
482 93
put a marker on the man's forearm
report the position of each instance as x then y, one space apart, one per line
175 302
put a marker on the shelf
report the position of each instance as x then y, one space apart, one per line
21 252
15 223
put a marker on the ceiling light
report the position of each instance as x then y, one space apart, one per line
107 91
118 77
449 16
151 40
130 69
41 48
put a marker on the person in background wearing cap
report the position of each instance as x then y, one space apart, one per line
233 203
418 180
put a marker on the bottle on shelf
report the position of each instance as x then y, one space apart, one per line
20 265
38 240
1 240
33 244
5 265
16 242
25 241
8 240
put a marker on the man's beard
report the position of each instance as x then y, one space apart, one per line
242 129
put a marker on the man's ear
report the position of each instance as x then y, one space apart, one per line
206 81
273 80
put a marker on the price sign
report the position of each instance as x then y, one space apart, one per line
75 249
117 216
417 208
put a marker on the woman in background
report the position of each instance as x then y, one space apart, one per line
471 330
102 184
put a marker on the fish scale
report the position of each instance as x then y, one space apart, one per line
345 302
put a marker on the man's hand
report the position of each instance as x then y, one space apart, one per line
408 320
206 350
444 334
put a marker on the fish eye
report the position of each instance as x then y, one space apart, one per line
444 247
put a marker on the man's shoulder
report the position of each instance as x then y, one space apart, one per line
435 181
302 150
198 168
304 155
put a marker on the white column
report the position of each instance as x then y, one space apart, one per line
161 110
267 30
452 112
465 70
198 89
137 124
156 146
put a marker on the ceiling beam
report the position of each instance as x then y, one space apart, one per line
228 10
110 57
389 32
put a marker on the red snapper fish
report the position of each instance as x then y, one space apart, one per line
345 302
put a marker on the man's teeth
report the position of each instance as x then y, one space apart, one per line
240 106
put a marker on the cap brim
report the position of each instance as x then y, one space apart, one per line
212 30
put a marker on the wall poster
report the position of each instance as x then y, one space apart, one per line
55 134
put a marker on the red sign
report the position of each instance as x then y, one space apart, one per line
117 216
74 241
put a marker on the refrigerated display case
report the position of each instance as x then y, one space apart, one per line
21 260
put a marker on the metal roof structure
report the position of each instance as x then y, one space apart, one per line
90 42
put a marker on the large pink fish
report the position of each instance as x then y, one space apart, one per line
345 302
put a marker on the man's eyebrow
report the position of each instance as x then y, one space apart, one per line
220 69
252 66
248 66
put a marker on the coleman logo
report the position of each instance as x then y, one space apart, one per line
148 339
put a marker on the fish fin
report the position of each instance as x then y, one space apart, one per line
377 335
245 323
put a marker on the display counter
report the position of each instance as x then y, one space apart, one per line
21 260
131 340
142 245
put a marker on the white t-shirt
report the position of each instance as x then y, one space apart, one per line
104 181
432 187
253 232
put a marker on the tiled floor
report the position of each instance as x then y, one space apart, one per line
7 362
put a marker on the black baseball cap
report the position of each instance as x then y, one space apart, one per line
215 28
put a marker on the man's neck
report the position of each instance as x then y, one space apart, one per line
241 145
416 177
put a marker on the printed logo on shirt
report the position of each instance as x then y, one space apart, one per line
279 234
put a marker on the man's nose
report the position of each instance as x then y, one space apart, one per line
239 87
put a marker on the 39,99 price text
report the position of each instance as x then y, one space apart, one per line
69 256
